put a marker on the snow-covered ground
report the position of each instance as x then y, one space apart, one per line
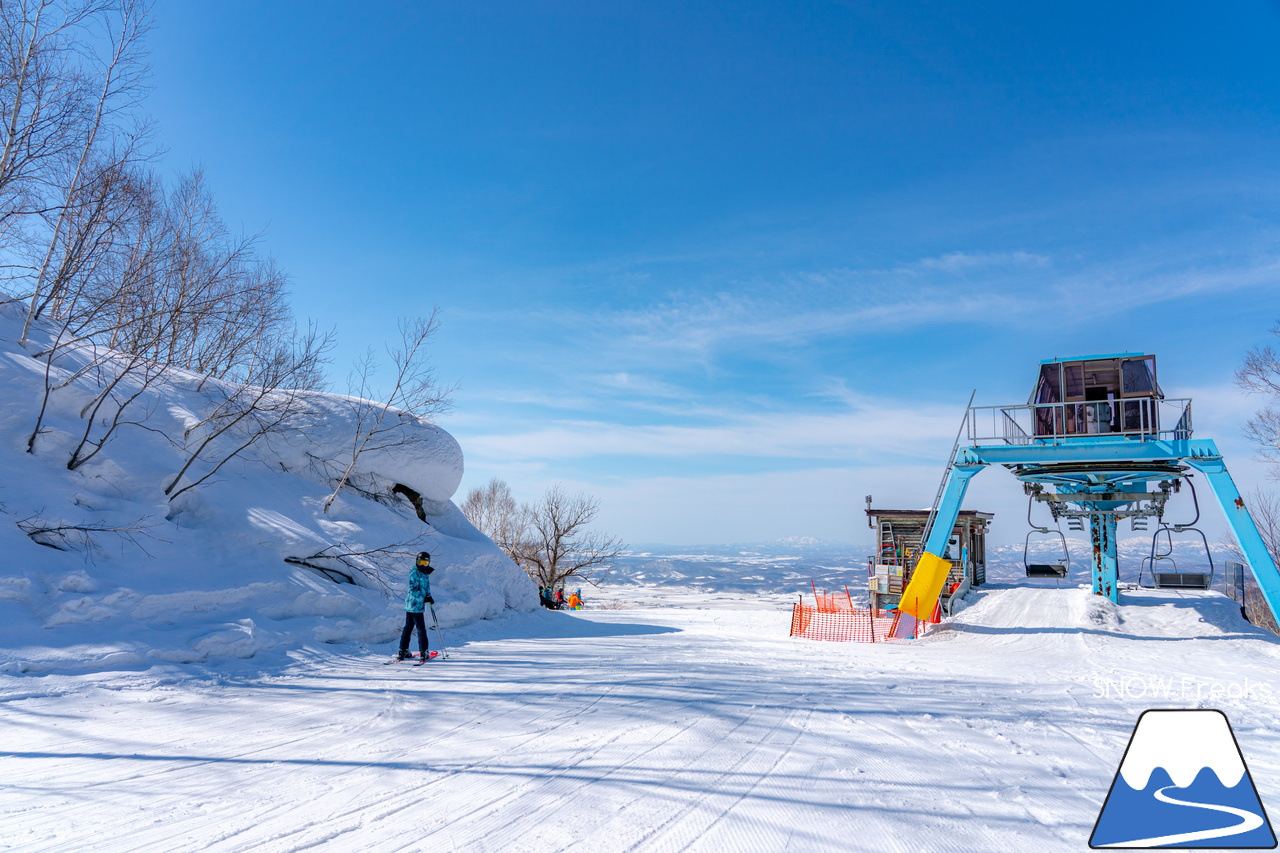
649 729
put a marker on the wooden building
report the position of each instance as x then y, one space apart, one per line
898 533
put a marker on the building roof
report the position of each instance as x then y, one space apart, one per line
1094 357
924 513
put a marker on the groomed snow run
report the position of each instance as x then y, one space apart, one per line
652 730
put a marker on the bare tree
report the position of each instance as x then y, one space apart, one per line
119 80
45 96
97 276
559 545
494 511
267 403
121 401
550 539
1260 374
414 397
153 282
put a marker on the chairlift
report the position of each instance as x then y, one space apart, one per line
1173 578
1044 570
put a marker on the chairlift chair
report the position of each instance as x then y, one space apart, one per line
1175 578
1044 570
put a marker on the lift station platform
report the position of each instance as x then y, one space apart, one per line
1097 442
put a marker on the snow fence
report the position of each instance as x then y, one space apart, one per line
834 617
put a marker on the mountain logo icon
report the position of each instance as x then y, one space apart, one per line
1183 784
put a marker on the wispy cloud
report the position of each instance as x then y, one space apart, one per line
975 289
872 430
968 261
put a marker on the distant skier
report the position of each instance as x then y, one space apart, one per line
559 598
415 601
575 601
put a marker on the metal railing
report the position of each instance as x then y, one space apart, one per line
1053 423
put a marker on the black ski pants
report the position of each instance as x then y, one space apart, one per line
411 621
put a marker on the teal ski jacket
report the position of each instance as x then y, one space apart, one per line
415 600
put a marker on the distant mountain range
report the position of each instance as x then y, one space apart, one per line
794 564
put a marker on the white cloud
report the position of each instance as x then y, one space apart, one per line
872 429
965 261
804 309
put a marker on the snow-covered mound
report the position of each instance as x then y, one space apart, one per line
98 567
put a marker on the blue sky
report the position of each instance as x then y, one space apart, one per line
732 266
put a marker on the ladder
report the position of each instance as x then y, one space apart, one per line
946 474
888 544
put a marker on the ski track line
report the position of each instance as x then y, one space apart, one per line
704 791
413 803
610 776
196 765
1011 788
750 831
486 814
489 813
357 809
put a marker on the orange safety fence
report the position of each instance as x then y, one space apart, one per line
834 617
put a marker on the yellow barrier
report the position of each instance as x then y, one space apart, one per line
920 598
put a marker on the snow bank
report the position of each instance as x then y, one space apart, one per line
247 566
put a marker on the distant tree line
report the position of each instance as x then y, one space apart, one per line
126 278
549 539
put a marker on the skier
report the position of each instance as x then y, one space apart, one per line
575 603
415 601
559 598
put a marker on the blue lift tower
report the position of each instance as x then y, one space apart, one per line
1097 442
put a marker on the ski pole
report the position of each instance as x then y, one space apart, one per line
439 636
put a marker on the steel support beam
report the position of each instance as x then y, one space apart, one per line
944 520
1242 526
1102 531
1085 450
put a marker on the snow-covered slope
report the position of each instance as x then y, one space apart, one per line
644 730
205 576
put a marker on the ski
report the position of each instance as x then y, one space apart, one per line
416 660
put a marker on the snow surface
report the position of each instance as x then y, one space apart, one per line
653 729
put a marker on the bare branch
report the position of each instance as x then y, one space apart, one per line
79 537
414 398
377 565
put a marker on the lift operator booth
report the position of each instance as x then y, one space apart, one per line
1097 442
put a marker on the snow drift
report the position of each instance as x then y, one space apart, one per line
99 568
